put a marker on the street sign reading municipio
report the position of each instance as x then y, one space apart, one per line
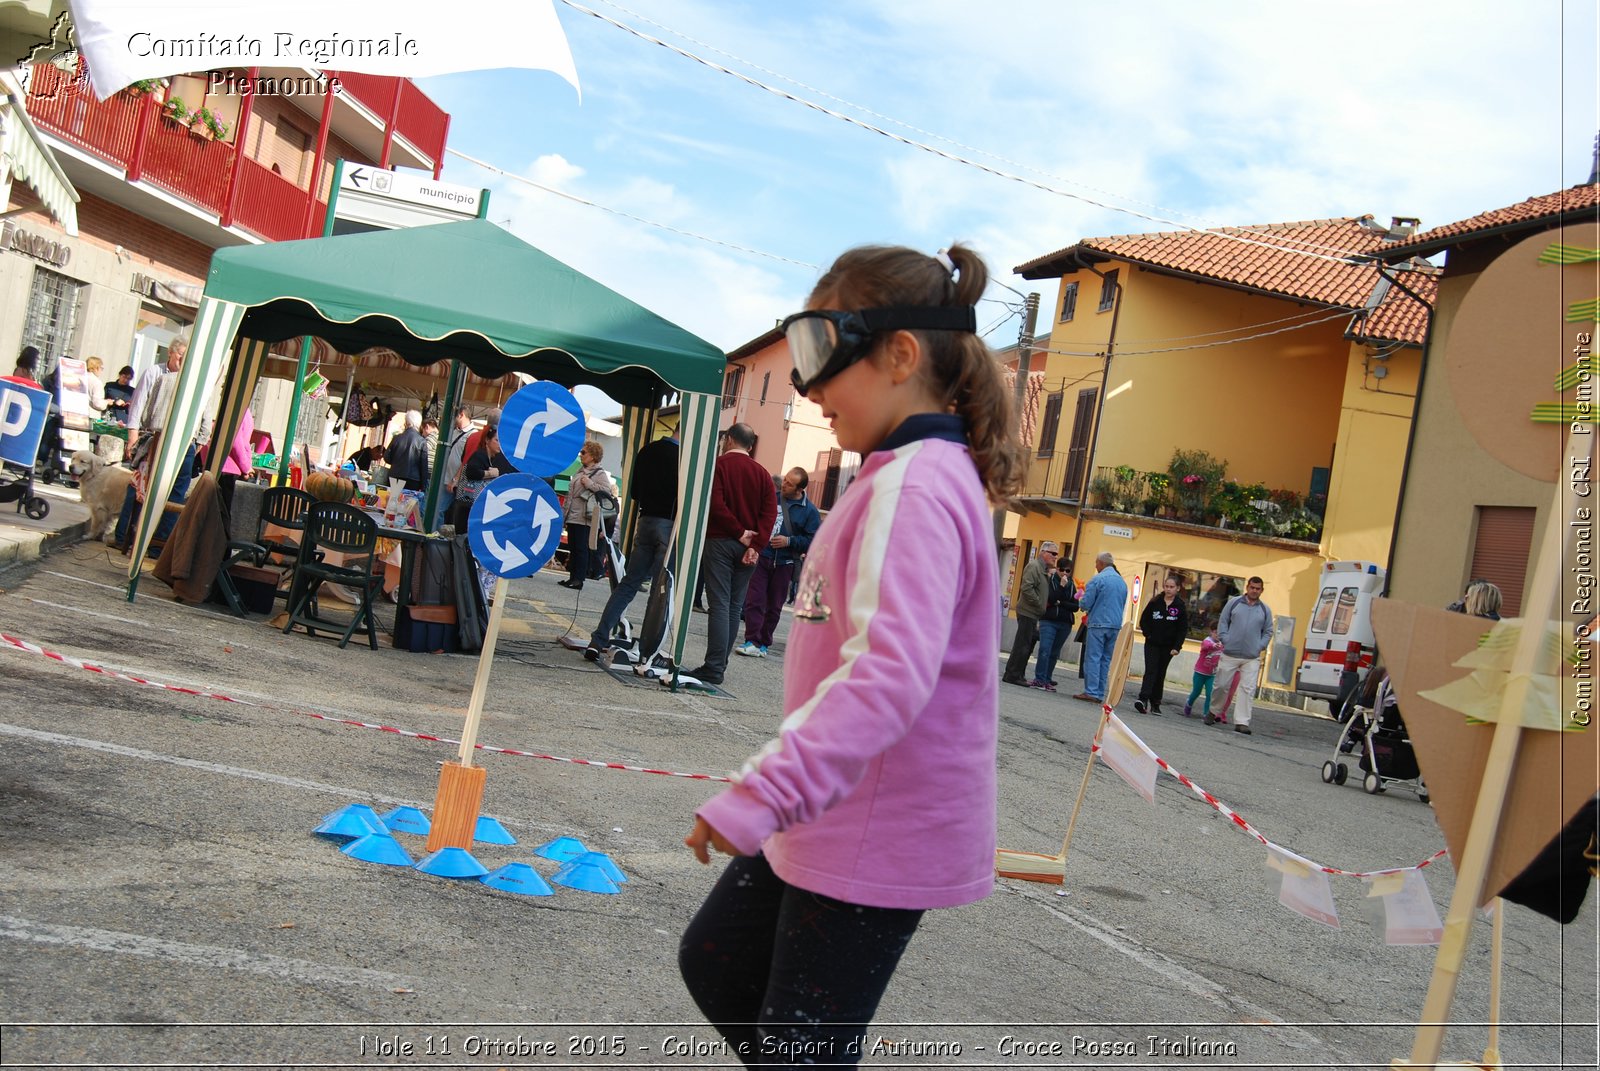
372 197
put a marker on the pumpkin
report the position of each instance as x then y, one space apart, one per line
326 487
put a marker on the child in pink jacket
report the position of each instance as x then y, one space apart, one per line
877 799
1205 673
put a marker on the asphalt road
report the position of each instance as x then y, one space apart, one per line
163 900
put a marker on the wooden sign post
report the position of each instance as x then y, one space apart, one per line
459 801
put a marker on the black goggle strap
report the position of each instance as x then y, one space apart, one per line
921 317
891 318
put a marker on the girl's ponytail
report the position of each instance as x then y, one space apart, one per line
961 369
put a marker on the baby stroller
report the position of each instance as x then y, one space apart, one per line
1386 752
16 485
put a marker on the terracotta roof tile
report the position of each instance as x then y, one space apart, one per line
1535 212
1271 259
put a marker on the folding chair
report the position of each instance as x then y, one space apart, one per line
332 528
284 507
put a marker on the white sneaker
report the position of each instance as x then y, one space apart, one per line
750 650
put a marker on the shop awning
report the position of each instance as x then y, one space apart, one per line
26 158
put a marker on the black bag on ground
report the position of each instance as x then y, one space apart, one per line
471 614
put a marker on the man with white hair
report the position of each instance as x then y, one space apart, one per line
408 454
1103 600
1032 597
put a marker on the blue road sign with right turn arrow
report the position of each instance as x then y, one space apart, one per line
542 428
514 527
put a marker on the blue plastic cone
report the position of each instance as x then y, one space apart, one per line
518 878
378 848
560 850
452 863
585 877
603 861
407 820
490 831
350 822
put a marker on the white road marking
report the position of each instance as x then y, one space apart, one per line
117 943
1177 974
631 844
143 626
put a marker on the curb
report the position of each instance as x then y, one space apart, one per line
48 542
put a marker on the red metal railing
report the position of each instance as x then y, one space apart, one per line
198 169
419 120
63 105
269 204
374 91
422 122
184 163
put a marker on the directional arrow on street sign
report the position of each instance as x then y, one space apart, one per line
510 526
542 427
358 177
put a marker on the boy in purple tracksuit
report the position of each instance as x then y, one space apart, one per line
877 799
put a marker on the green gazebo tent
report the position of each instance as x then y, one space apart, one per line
465 291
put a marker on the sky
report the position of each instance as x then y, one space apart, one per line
1197 114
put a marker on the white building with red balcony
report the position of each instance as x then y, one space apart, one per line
171 171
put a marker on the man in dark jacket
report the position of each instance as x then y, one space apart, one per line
653 486
1165 625
1032 598
797 521
408 454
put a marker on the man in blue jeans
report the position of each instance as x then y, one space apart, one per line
653 484
1103 600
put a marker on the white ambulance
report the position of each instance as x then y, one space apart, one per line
1340 634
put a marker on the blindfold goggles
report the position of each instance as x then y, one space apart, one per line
824 342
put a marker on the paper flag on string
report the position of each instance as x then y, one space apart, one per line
1409 915
1305 889
1555 773
1123 751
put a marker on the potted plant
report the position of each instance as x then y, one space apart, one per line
1304 524
1100 489
1195 475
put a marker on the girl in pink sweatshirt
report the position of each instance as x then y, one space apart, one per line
877 800
1205 673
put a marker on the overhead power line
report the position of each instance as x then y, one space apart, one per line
626 215
1346 257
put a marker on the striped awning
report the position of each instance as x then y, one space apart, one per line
25 157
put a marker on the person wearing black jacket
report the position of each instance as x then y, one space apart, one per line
485 464
1055 624
1164 623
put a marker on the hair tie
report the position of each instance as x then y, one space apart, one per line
943 257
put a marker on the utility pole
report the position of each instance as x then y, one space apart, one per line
1030 318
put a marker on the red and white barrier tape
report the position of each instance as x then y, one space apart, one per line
68 660
1237 819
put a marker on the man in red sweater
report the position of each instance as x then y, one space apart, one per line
743 509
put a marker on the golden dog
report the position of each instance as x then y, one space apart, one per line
102 488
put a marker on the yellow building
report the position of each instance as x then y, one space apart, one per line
1282 352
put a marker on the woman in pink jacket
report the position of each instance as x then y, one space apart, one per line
876 801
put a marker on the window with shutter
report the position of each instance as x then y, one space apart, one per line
1078 451
1500 549
1050 424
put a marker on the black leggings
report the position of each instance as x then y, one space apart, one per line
788 976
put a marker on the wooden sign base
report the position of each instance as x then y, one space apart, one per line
456 806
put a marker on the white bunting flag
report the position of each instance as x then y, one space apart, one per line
1409 915
1305 889
1130 757
126 41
